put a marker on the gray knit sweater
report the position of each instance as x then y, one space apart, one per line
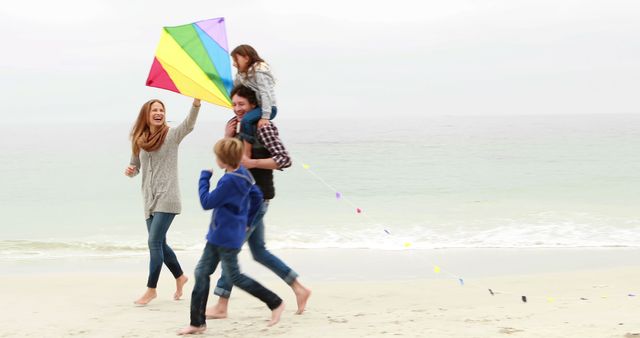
160 170
261 80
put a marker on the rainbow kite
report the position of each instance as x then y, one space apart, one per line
193 60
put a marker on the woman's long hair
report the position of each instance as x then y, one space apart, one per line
248 52
141 127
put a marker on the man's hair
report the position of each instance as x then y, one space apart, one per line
229 151
245 92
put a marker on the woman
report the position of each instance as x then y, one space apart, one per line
155 154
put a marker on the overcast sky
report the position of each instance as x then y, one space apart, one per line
88 60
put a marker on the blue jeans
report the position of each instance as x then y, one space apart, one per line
255 238
248 124
207 264
159 252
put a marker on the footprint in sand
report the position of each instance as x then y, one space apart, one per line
509 330
631 335
337 320
77 332
483 320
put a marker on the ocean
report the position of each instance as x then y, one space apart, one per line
420 183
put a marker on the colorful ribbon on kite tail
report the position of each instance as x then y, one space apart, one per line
193 60
438 270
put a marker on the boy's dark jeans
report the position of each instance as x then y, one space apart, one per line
211 256
256 241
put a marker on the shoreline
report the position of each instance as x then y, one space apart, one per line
353 264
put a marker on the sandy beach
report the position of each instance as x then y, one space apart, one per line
436 169
356 293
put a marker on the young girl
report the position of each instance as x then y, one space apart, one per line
255 73
155 154
235 202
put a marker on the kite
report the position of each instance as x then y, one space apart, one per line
193 60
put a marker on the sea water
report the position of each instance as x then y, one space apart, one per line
384 183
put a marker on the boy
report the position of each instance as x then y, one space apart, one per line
235 201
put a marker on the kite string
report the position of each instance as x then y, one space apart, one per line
339 195
437 269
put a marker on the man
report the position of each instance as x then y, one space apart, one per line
267 153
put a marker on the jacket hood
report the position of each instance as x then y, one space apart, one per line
242 180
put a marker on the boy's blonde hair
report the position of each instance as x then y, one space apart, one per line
229 151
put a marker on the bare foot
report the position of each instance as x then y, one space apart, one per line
214 312
147 297
180 282
302 295
275 315
219 311
192 330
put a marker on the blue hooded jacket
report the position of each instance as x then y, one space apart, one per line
235 200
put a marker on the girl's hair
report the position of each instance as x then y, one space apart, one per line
249 52
229 151
246 93
142 124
